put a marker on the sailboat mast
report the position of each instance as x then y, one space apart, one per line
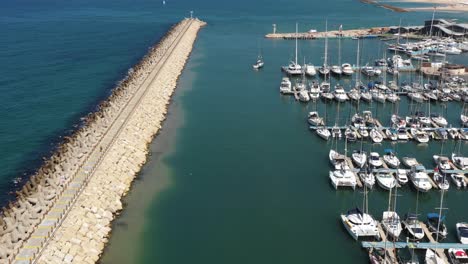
296 46
326 44
440 212
358 74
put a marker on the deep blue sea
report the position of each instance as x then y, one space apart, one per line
235 176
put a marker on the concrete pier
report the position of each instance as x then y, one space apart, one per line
63 214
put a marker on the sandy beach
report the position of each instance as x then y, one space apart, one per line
441 5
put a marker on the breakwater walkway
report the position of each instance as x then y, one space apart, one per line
63 214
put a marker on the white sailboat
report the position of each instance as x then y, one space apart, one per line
294 68
390 219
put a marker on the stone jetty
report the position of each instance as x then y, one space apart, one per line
63 214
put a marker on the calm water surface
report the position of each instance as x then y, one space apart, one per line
235 176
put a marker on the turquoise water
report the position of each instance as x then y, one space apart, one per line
235 176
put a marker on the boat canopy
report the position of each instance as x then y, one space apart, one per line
435 216
463 231
389 151
412 216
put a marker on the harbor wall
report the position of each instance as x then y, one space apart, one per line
63 213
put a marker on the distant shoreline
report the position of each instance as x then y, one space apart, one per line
455 6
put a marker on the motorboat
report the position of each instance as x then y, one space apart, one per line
392 97
381 63
324 70
458 179
439 120
378 96
285 86
304 96
441 181
323 133
336 158
402 176
367 178
363 132
385 180
464 120
310 70
354 94
359 157
457 256
391 159
441 133
314 92
336 69
327 96
360 224
325 87
413 121
424 120
397 121
392 71
432 258
300 86
463 134
347 69
293 68
413 226
358 121
402 134
340 94
366 96
453 133
418 176
430 95
442 163
375 135
436 225
419 135
409 162
369 71
391 223
391 134
367 115
460 162
259 63
350 134
314 119
374 160
462 232
417 97
336 132
342 178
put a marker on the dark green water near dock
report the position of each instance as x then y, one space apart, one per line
243 180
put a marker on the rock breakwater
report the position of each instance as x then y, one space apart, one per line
63 213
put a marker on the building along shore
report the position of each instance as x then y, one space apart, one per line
63 214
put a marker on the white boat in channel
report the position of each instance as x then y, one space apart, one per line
360 224
304 96
460 162
342 178
458 180
286 86
413 226
385 180
375 136
391 159
359 158
323 132
432 258
347 69
314 119
420 179
402 176
441 181
374 160
419 135
367 178
391 223
310 70
462 232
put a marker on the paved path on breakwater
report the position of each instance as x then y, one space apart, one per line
76 226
